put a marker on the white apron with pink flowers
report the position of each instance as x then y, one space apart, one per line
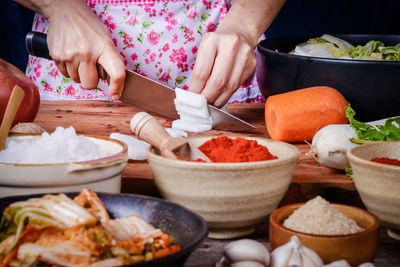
158 39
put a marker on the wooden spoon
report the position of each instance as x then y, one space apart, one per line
17 95
147 128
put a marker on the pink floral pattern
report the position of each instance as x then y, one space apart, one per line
158 39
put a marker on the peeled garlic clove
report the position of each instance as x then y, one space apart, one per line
366 264
247 264
27 127
294 253
247 250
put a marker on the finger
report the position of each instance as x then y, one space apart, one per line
243 67
72 68
219 76
113 64
88 74
203 65
62 68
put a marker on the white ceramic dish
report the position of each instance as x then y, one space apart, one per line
102 175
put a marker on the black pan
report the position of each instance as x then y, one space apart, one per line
187 228
371 87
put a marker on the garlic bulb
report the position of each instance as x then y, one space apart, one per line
246 252
294 254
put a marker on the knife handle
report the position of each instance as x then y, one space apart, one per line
148 129
36 45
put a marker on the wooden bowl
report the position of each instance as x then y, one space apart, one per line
355 248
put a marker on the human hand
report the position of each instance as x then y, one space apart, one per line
225 60
77 41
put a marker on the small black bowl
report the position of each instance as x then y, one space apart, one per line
371 87
185 227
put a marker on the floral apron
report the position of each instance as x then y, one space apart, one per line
158 39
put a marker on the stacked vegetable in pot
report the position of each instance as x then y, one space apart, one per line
329 46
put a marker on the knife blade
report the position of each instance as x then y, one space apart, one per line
146 93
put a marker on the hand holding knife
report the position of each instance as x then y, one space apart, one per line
144 92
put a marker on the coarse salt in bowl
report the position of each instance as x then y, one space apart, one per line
61 146
59 162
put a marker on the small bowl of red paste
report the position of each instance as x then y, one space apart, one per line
376 171
244 182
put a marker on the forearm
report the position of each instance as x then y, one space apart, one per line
48 7
251 18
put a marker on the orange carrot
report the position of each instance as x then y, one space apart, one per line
297 115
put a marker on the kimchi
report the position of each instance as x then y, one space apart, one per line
59 231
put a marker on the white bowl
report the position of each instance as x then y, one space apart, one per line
102 175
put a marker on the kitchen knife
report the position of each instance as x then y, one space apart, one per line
146 93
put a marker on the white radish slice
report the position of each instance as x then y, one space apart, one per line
183 107
136 148
193 111
176 132
195 119
190 126
191 99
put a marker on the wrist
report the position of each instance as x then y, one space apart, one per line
50 7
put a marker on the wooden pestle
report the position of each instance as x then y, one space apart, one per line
147 128
17 95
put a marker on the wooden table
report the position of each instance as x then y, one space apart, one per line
309 179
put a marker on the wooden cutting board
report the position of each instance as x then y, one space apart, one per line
103 118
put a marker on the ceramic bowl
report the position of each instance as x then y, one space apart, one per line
187 228
231 197
103 175
355 248
378 184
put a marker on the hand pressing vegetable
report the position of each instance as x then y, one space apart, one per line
297 115
331 143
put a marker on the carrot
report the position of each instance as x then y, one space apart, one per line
297 115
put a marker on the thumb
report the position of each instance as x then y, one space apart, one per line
113 64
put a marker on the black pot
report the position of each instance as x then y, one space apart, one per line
371 87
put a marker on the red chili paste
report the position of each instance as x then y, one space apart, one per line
225 149
387 161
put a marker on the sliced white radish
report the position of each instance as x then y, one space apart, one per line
190 126
182 107
195 119
176 132
136 148
193 111
189 98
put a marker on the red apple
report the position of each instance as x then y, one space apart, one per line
10 75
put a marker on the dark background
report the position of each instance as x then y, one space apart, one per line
297 17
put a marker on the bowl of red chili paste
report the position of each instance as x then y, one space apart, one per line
376 171
244 182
